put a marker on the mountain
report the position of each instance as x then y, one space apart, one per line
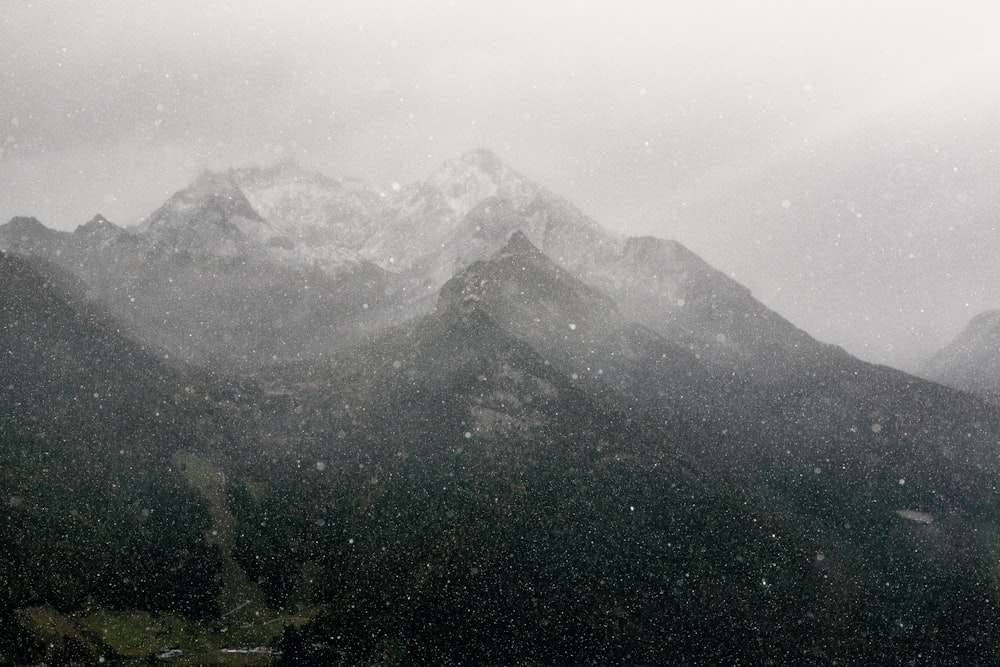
284 214
534 441
467 209
212 218
27 237
198 284
580 329
783 415
322 222
498 513
100 230
502 494
971 362
642 318
474 203
95 511
268 235
668 288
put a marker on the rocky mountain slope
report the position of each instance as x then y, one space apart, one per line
971 362
492 410
95 513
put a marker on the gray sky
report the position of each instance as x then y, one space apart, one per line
840 159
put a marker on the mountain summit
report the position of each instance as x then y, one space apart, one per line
477 176
211 218
466 210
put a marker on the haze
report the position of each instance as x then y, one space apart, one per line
841 161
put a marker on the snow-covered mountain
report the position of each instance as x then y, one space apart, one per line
211 218
467 209
322 222
419 385
246 236
288 215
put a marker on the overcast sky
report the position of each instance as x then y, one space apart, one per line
840 159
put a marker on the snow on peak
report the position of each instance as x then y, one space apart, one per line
212 198
478 175
211 217
98 226
467 210
322 221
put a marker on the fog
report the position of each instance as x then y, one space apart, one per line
841 161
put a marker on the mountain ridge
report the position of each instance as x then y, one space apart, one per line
531 440
420 237
971 361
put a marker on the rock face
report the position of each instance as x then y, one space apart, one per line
971 362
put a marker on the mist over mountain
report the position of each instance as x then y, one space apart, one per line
971 362
96 513
459 422
401 248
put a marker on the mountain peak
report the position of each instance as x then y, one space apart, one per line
98 226
521 277
212 217
26 234
478 175
484 159
22 223
97 221
519 245
212 198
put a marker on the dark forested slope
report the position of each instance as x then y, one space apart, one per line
94 511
